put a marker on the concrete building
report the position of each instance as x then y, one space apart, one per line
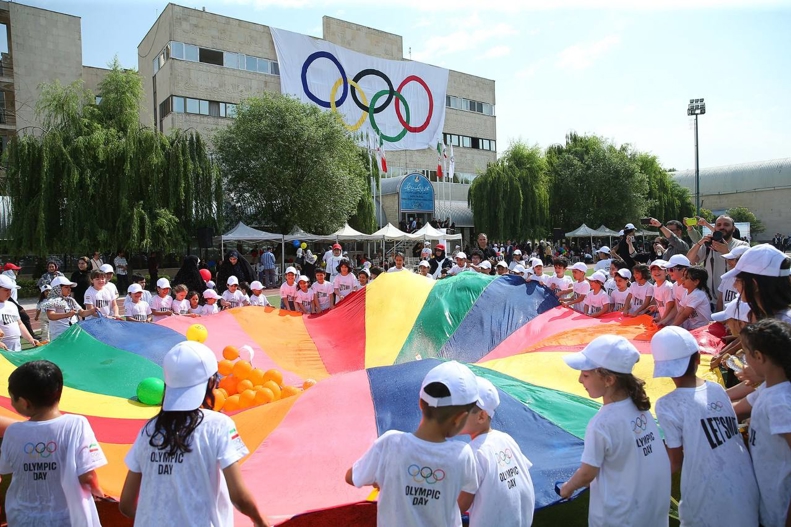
764 187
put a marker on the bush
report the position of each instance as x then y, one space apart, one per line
29 289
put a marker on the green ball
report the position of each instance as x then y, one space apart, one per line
151 391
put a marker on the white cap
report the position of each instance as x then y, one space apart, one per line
628 227
45 287
610 352
603 249
135 288
232 280
163 283
536 261
735 309
529 272
517 252
303 278
210 284
424 263
486 264
365 271
62 280
210 293
662 264
624 273
291 269
677 260
106 268
256 286
763 260
488 398
518 269
736 252
502 263
7 283
461 255
459 380
579 266
598 276
672 347
187 366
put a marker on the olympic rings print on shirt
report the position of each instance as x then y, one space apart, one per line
504 457
368 110
427 474
716 406
639 425
42 450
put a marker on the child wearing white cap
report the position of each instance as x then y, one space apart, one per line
210 307
702 432
597 302
664 304
421 474
610 285
288 291
108 271
624 460
578 290
603 254
100 299
233 296
460 266
305 299
505 488
137 310
424 268
641 291
726 291
516 260
764 277
621 293
162 303
767 345
258 298
188 446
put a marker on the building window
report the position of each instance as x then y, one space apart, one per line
466 142
178 104
231 60
191 53
459 103
275 68
156 65
177 50
193 106
209 56
230 109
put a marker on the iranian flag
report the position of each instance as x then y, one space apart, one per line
440 148
382 157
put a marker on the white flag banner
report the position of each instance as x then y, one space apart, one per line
403 101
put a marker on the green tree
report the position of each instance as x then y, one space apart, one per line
94 179
286 163
707 215
743 214
665 199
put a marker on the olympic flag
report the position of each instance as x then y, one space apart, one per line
401 101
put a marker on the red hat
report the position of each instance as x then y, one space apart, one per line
336 246
9 267
440 247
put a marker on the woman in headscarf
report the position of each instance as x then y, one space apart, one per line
234 265
189 275
51 274
309 267
81 277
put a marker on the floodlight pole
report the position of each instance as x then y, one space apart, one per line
696 107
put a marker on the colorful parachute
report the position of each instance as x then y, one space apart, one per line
369 356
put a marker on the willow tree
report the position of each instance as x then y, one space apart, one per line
93 178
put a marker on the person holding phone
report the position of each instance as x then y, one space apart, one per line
710 249
625 248
673 231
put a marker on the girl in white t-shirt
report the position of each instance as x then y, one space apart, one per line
597 303
306 299
619 296
578 290
399 264
210 307
188 446
323 290
640 292
344 282
609 285
161 304
363 276
194 300
624 461
257 297
664 304
694 310
767 344
99 299
288 290
233 296
180 305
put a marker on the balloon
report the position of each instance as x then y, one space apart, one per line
230 353
296 243
150 391
197 332
308 383
205 274
263 395
274 387
256 377
289 391
244 385
225 367
241 369
275 376
303 245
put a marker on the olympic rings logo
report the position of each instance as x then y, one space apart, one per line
715 406
427 474
504 457
42 450
368 109
640 424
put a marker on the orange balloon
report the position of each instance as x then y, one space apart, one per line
274 387
308 383
242 369
263 395
219 399
225 367
256 377
231 403
224 393
289 391
274 376
247 399
229 384
230 353
244 385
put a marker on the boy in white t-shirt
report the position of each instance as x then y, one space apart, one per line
538 271
421 474
288 290
399 264
344 283
505 488
210 307
161 304
664 303
702 435
460 266
641 292
137 310
424 269
575 295
621 293
257 297
108 271
233 296
324 291
559 281
99 299
597 302
53 457
676 266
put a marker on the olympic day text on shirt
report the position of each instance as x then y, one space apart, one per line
643 441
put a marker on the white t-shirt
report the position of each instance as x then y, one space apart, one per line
180 307
542 278
344 285
633 484
717 482
610 286
138 311
259 300
603 265
121 265
679 292
514 263
323 292
560 283
9 323
288 293
579 289
305 299
396 269
236 298
332 265
728 289
187 488
420 481
640 295
662 295
701 309
596 301
102 299
505 489
46 459
453 271
208 310
159 303
146 298
60 306
111 287
771 417
618 299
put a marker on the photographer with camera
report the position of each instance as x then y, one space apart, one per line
709 250
673 231
625 249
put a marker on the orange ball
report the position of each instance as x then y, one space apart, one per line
308 383
231 403
256 377
274 387
225 367
219 399
289 391
230 353
274 376
242 369
244 386
247 399
263 395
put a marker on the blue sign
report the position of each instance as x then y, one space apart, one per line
416 194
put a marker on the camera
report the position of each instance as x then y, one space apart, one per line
715 236
645 221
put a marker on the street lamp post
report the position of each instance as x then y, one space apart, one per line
696 107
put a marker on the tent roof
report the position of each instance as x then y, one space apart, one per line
298 234
583 231
347 233
428 232
607 231
242 233
390 232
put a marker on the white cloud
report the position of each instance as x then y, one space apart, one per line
496 51
582 56
463 39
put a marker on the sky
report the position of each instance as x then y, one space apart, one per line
621 69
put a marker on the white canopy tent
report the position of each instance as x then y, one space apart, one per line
347 233
428 232
390 233
244 233
606 231
298 234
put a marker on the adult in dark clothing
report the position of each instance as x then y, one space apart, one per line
189 275
483 245
234 265
309 267
81 277
625 248
439 261
153 270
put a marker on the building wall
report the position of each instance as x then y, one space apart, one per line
151 45
363 39
92 77
769 206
